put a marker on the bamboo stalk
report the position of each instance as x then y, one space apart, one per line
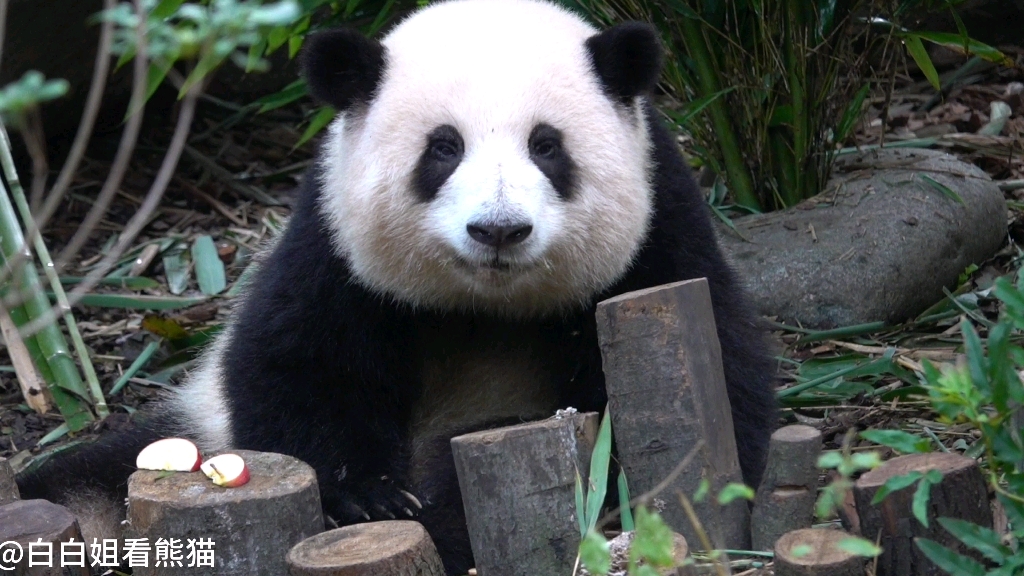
797 84
68 390
740 182
7 163
29 379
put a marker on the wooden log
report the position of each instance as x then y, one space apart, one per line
789 487
38 528
666 392
8 486
518 486
394 547
251 527
815 552
962 494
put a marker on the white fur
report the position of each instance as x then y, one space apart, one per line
200 403
494 69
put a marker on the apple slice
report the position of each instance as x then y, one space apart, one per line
175 454
228 470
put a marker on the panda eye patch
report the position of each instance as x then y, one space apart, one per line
548 154
440 158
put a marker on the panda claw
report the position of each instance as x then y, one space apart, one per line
412 499
408 512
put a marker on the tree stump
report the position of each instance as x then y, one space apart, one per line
789 488
518 485
250 528
619 548
38 529
666 392
814 552
395 547
8 486
962 494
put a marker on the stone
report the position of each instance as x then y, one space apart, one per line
879 243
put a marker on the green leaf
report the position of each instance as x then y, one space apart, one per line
734 490
653 541
128 282
321 119
919 506
851 114
165 9
137 302
948 560
974 48
282 97
924 62
898 440
702 490
801 550
830 460
209 267
176 269
945 190
594 553
895 484
982 539
625 514
598 482
859 547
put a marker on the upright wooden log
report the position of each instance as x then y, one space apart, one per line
391 548
962 494
517 488
250 528
789 487
813 552
32 532
8 487
666 393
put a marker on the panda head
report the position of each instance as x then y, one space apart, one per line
489 155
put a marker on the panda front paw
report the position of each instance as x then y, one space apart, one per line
378 498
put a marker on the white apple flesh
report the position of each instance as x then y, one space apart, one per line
228 470
175 454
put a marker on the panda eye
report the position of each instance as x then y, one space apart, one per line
444 150
545 148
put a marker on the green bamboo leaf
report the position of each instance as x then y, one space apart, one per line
902 442
653 540
625 514
127 282
598 482
948 560
207 64
137 302
919 505
946 190
895 484
139 363
282 97
924 62
209 267
165 9
595 554
321 119
973 47
734 490
860 547
851 114
176 269
982 539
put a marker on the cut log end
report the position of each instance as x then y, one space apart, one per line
815 552
400 547
962 493
33 522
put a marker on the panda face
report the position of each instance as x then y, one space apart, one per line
490 170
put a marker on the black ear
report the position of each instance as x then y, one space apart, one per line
342 67
627 59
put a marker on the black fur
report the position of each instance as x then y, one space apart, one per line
342 67
627 59
321 369
547 153
441 156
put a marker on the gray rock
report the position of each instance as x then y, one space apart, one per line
879 243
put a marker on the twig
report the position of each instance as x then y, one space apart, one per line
136 106
149 204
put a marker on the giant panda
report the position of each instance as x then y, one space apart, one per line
495 169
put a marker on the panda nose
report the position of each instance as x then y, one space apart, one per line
499 236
